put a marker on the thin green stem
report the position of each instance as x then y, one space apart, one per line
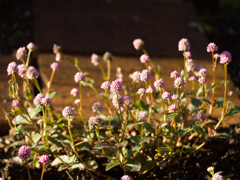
103 72
45 125
29 176
108 69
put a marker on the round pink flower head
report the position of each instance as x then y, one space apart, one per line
192 78
56 49
21 70
142 114
21 53
136 76
1 178
145 75
225 57
44 159
93 122
183 45
106 85
200 116
127 100
95 59
68 112
32 73
116 86
122 110
159 83
187 54
31 46
24 153
115 100
166 96
138 44
172 109
55 66
74 92
46 101
37 101
12 68
179 83
141 91
202 79
77 101
97 107
174 74
212 47
79 76
190 65
175 97
126 177
144 58
202 72
15 103
217 177
149 90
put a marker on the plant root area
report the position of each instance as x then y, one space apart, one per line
222 153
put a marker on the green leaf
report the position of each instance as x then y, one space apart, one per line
182 132
19 130
199 130
82 144
71 159
122 144
80 166
22 119
196 102
52 94
224 135
145 161
111 165
35 111
18 143
141 105
132 165
149 127
54 141
233 110
199 92
102 145
145 139
207 100
57 161
215 85
133 124
36 137
62 167
136 148
91 164
135 139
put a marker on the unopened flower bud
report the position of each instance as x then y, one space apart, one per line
107 56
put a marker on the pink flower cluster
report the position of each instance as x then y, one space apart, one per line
179 83
172 108
145 75
55 66
225 57
183 45
15 103
106 85
166 96
144 58
79 76
138 44
97 107
159 83
212 47
41 100
32 73
116 86
95 59
93 122
24 153
74 92
12 68
44 159
68 112
136 76
21 53
174 74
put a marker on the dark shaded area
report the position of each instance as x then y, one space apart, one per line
223 154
